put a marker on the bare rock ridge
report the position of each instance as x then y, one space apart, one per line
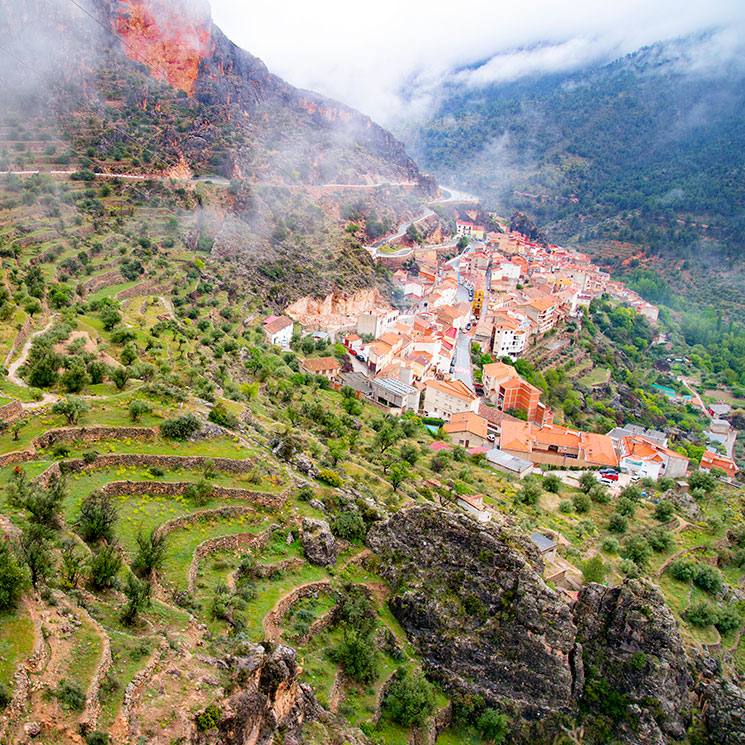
472 601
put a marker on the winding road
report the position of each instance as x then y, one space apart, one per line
454 195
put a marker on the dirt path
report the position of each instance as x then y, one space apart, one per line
168 305
25 349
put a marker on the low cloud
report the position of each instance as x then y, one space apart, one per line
390 58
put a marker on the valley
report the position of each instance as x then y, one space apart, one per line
299 445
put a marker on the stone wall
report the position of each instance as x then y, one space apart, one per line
150 287
17 456
178 488
181 522
142 460
232 542
20 340
11 411
92 434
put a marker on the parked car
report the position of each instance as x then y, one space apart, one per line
610 475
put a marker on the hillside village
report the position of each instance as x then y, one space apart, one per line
503 297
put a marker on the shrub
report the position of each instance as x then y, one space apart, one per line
703 481
410 699
220 415
728 619
708 578
137 593
529 494
660 539
12 578
137 408
631 492
599 494
181 427
493 726
349 525
664 510
587 480
330 477
358 653
700 614
626 507
617 523
305 494
103 567
594 569
72 408
97 518
581 503
199 492
637 548
566 506
629 568
551 483
151 552
71 695
683 569
610 545
97 738
5 697
209 718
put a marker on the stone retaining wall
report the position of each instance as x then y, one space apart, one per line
92 434
21 337
92 712
150 287
177 523
103 280
178 488
143 460
304 591
232 542
17 456
11 411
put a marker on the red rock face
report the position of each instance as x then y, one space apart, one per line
169 39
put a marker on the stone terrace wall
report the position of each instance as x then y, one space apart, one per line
231 542
17 456
181 522
178 488
142 460
93 434
11 411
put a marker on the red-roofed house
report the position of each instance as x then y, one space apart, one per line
648 459
278 330
711 460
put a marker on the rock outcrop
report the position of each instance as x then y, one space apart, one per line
318 542
471 599
633 656
270 700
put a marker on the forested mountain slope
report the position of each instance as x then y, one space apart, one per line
651 144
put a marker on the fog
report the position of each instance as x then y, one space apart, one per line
390 59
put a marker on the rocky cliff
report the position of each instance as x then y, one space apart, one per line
471 600
277 133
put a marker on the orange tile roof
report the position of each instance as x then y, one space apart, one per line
542 303
454 388
316 364
467 422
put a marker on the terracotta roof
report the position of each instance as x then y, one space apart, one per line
455 388
467 422
542 303
316 364
716 460
277 325
499 370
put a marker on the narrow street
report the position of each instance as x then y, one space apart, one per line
462 370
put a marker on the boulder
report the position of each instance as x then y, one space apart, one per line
318 542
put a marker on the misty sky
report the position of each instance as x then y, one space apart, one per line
388 57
